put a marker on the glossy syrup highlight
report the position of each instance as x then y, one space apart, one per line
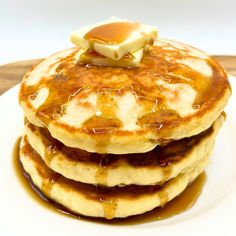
178 205
74 81
112 33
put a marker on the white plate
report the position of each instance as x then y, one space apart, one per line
214 212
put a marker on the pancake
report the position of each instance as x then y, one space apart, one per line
95 201
177 92
154 167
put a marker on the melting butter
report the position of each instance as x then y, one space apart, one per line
114 38
128 60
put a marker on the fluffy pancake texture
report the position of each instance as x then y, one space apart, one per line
177 92
90 200
114 142
154 167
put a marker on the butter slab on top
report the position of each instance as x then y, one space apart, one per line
114 38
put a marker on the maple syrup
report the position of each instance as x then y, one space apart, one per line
79 81
89 55
163 156
112 33
176 206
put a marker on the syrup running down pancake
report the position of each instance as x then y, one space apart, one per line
177 92
126 133
95 201
154 167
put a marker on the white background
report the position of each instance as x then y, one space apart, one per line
37 28
31 29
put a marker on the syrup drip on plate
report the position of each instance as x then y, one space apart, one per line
176 206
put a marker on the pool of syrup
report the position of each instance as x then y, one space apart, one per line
178 205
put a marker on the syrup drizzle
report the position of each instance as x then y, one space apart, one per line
176 206
164 156
78 81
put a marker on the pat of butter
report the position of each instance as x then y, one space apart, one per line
137 38
128 60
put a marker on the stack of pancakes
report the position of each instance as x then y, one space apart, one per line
115 142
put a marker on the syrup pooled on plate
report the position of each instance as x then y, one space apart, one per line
178 205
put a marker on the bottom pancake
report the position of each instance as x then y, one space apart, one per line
107 202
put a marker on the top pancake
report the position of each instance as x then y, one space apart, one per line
178 91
